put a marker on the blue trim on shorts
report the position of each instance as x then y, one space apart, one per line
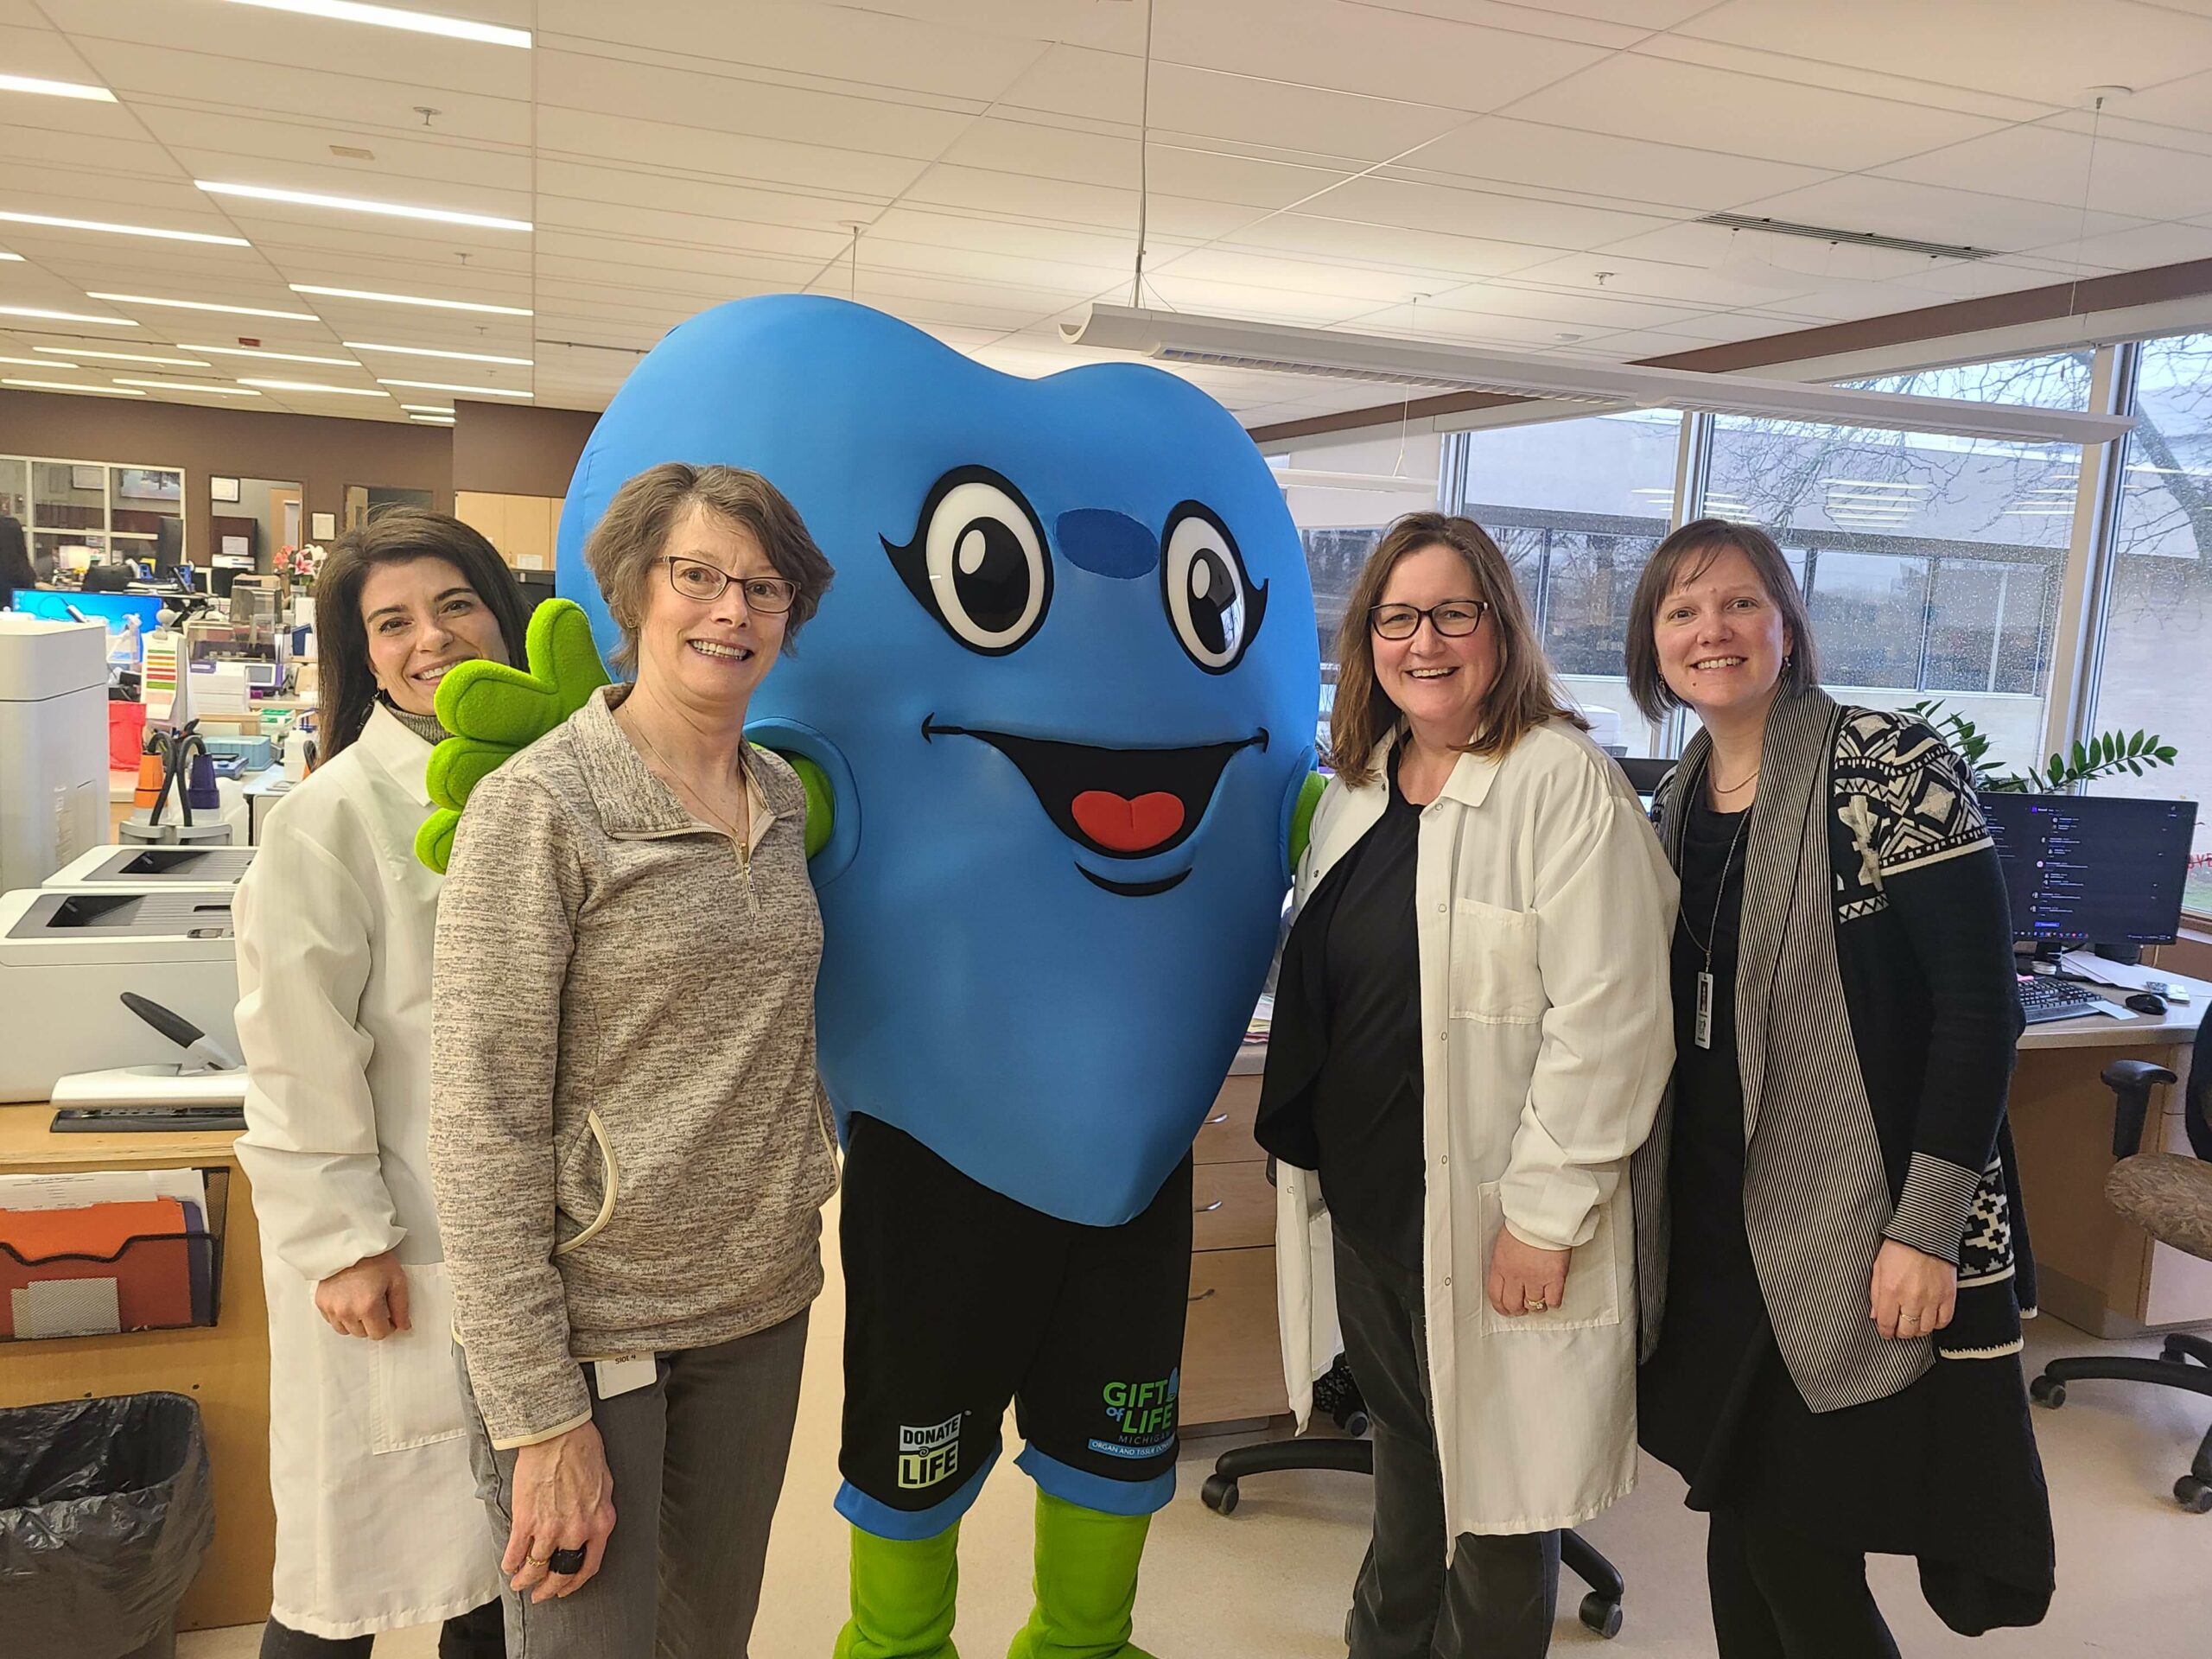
879 1519
1080 1486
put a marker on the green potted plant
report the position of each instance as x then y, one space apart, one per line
2135 753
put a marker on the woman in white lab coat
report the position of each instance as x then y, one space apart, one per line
1471 1034
378 1523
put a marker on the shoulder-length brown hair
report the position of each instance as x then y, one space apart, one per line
1683 557
1524 694
627 543
394 535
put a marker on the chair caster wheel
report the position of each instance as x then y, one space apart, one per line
1219 1495
2047 1391
1601 1614
1354 1423
2194 1495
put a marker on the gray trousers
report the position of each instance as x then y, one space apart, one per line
697 1460
1498 1596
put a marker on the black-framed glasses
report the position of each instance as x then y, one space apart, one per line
695 579
1454 619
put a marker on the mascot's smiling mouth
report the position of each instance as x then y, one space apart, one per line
1115 803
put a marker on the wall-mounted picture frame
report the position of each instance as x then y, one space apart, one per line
222 489
88 477
322 526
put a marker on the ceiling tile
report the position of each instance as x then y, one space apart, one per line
1427 253
2046 50
1461 211
1598 164
2044 163
590 135
1633 96
2140 249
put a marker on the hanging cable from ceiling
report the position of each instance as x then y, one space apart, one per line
1144 160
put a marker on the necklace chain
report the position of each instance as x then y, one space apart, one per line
1730 789
1712 927
744 851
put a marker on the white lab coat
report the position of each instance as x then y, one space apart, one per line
1544 905
377 1524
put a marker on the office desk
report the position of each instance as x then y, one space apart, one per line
224 1367
2094 1270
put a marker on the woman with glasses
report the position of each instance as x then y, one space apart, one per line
1470 1036
629 1147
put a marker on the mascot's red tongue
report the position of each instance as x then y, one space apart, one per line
1125 825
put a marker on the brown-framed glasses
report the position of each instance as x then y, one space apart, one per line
695 578
1454 619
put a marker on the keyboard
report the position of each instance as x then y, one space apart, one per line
2043 999
110 1120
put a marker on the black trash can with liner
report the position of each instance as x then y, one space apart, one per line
106 1508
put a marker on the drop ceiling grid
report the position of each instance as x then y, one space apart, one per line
1311 161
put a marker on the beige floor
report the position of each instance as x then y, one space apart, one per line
2135 1573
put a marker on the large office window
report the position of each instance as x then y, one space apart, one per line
1931 565
1577 507
2158 602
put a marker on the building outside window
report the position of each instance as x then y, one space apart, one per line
2158 609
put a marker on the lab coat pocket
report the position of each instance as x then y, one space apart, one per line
1594 1273
415 1394
1496 972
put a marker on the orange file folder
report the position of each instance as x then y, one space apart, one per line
142 1247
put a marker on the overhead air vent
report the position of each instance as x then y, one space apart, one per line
1855 238
353 152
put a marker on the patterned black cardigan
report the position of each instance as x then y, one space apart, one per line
1877 1017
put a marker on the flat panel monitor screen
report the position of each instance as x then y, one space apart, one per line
113 609
2092 868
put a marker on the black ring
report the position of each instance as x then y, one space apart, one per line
565 1562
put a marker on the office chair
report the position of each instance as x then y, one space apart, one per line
1338 1395
2168 1196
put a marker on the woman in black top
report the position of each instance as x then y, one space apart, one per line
1830 1257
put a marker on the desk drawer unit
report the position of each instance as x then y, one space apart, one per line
1232 1355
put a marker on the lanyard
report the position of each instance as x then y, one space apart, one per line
1703 1031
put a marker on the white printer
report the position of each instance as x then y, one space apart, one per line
153 869
66 959
53 744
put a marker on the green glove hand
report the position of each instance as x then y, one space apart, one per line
1301 816
494 710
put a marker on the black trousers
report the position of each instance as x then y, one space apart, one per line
480 1633
1782 1595
1497 1598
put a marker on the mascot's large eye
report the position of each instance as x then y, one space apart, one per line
1211 600
977 562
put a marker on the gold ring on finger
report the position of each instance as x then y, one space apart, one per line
536 1561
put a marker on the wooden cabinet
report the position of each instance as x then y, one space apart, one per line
1232 1355
524 528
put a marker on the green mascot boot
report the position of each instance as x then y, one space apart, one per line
1086 1584
904 1593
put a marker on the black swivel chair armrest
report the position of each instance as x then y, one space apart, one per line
2130 1082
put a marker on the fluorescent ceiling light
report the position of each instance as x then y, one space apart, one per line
432 420
55 88
65 317
67 386
124 230
409 299
36 362
272 357
422 22
312 385
1182 337
121 357
424 351
428 408
202 305
16 258
188 385
357 204
441 386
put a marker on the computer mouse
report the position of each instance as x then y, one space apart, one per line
2147 1003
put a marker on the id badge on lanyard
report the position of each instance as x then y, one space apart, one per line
1705 1010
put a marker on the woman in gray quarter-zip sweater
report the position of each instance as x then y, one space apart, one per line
629 1145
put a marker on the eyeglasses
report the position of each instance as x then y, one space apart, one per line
1454 619
764 596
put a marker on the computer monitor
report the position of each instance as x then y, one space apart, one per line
2092 868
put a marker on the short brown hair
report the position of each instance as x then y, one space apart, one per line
1524 693
630 535
1685 556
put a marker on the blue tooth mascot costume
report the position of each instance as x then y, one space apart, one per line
1061 703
